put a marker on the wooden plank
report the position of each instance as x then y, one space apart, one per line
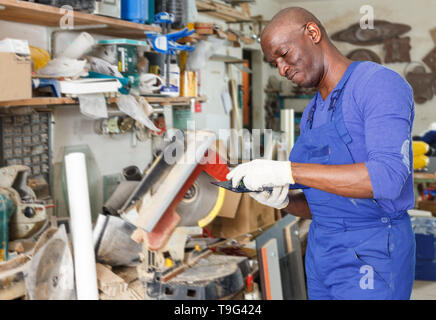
108 282
45 101
222 11
175 100
271 265
227 59
37 102
265 272
222 16
49 16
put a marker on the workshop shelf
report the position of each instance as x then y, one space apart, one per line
49 16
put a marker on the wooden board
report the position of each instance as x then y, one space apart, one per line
66 101
271 270
108 282
37 102
49 16
221 11
424 177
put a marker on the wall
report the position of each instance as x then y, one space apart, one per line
419 14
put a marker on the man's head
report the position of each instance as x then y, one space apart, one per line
295 41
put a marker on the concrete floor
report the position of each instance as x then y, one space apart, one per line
424 290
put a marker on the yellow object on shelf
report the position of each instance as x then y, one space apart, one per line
188 84
420 148
420 161
40 57
168 263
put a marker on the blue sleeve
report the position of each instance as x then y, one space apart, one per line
387 107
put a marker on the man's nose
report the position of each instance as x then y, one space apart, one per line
283 68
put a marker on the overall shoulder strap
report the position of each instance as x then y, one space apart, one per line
335 108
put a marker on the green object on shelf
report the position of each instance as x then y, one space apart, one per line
7 209
123 42
181 118
151 12
127 59
133 80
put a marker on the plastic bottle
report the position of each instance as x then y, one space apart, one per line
174 89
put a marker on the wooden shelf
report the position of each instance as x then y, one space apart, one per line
35 102
226 59
174 101
48 16
221 11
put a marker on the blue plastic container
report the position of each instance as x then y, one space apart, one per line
135 10
425 236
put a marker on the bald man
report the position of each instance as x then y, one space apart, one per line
353 161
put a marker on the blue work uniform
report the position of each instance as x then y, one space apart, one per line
361 248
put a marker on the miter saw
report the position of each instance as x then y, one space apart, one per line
21 214
163 214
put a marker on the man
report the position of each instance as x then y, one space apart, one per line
353 161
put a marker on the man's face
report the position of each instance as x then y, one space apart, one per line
294 54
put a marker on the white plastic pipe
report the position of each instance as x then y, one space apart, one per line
287 125
81 45
81 228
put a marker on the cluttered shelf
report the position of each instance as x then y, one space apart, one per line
46 101
44 15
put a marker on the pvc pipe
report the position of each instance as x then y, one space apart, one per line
81 45
287 126
81 228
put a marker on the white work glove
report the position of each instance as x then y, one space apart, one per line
260 173
277 198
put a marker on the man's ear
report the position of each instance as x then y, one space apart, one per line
314 32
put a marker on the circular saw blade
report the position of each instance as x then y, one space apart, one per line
198 201
51 272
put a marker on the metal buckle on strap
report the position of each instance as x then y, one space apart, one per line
334 99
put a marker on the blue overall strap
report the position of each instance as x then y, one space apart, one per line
336 101
336 94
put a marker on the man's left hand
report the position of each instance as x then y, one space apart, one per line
277 198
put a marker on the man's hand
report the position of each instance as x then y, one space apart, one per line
278 198
259 173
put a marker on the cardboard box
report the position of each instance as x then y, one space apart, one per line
15 77
203 28
230 205
250 216
428 206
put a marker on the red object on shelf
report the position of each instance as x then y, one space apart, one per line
197 107
250 283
